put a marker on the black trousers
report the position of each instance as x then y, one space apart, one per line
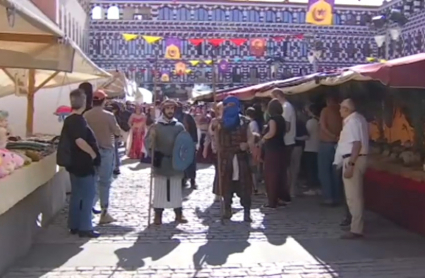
240 191
310 160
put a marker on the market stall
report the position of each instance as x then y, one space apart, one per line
392 97
35 55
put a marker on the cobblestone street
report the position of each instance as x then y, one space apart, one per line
301 240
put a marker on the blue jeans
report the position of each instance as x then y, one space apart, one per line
104 176
80 204
117 156
328 175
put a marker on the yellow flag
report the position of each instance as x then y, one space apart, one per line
208 62
370 59
129 37
194 62
382 61
151 39
188 71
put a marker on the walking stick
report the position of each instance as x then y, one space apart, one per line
152 145
220 186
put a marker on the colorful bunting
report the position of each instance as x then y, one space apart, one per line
129 37
216 42
279 39
238 42
172 48
151 39
194 62
196 42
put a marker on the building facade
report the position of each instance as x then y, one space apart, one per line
349 41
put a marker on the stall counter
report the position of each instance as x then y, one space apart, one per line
396 192
26 180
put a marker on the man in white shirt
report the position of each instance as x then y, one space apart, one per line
289 138
351 154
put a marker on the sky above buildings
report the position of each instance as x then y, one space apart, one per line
348 2
375 3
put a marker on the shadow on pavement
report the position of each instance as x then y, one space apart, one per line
212 253
140 166
134 256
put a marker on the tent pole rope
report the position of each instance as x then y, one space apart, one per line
153 142
216 131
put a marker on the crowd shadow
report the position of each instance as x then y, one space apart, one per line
213 252
135 256
140 166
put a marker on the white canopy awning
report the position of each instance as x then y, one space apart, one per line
35 54
117 85
30 43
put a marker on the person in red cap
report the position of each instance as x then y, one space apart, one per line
106 130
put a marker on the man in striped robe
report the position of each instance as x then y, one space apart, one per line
167 191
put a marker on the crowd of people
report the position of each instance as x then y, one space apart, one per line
292 150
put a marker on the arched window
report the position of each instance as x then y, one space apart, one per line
287 17
65 24
236 16
69 26
303 49
253 16
96 13
337 19
165 13
301 17
113 13
270 16
183 14
219 15
201 15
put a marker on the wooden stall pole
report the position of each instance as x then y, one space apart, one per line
216 131
153 143
30 102
32 89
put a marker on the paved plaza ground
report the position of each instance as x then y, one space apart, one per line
299 241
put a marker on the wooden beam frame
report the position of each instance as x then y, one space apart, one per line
8 74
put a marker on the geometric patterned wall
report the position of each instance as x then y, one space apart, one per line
349 41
